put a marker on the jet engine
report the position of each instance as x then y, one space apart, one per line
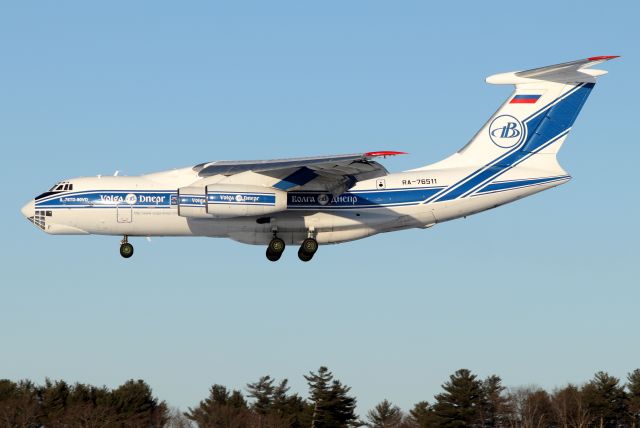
192 202
229 200
236 200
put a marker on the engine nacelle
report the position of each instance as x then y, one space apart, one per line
237 200
192 202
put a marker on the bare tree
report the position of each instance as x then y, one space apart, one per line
19 405
569 408
529 407
177 419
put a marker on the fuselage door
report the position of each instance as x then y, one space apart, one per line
124 212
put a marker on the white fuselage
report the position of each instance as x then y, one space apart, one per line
147 206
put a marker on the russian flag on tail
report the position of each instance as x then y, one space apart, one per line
524 99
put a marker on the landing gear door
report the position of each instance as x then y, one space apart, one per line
124 213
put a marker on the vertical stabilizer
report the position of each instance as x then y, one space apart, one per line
531 125
536 117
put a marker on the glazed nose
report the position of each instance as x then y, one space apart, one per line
29 209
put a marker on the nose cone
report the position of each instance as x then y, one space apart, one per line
29 209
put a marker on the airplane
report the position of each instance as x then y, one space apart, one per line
313 201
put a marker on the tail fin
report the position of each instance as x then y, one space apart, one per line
536 118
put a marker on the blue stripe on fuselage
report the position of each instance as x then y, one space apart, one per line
381 198
110 198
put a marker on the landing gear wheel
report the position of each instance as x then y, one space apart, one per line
275 249
309 246
273 257
307 249
276 245
305 257
126 250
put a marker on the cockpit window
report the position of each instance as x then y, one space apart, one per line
61 187
57 188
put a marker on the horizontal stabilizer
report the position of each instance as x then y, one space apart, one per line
572 71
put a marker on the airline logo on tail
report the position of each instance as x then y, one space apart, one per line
506 131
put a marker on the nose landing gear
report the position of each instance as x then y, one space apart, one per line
126 249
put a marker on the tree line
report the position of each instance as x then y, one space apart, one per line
465 401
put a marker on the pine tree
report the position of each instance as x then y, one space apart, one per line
319 395
221 409
493 402
422 415
90 406
134 402
280 392
53 398
262 394
274 407
333 407
460 405
384 415
633 397
606 400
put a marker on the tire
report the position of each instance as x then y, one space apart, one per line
273 257
304 256
309 246
126 250
276 246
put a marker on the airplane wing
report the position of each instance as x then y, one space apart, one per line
337 172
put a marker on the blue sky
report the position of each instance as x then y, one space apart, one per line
544 291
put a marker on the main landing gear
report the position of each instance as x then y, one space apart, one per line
126 249
305 253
